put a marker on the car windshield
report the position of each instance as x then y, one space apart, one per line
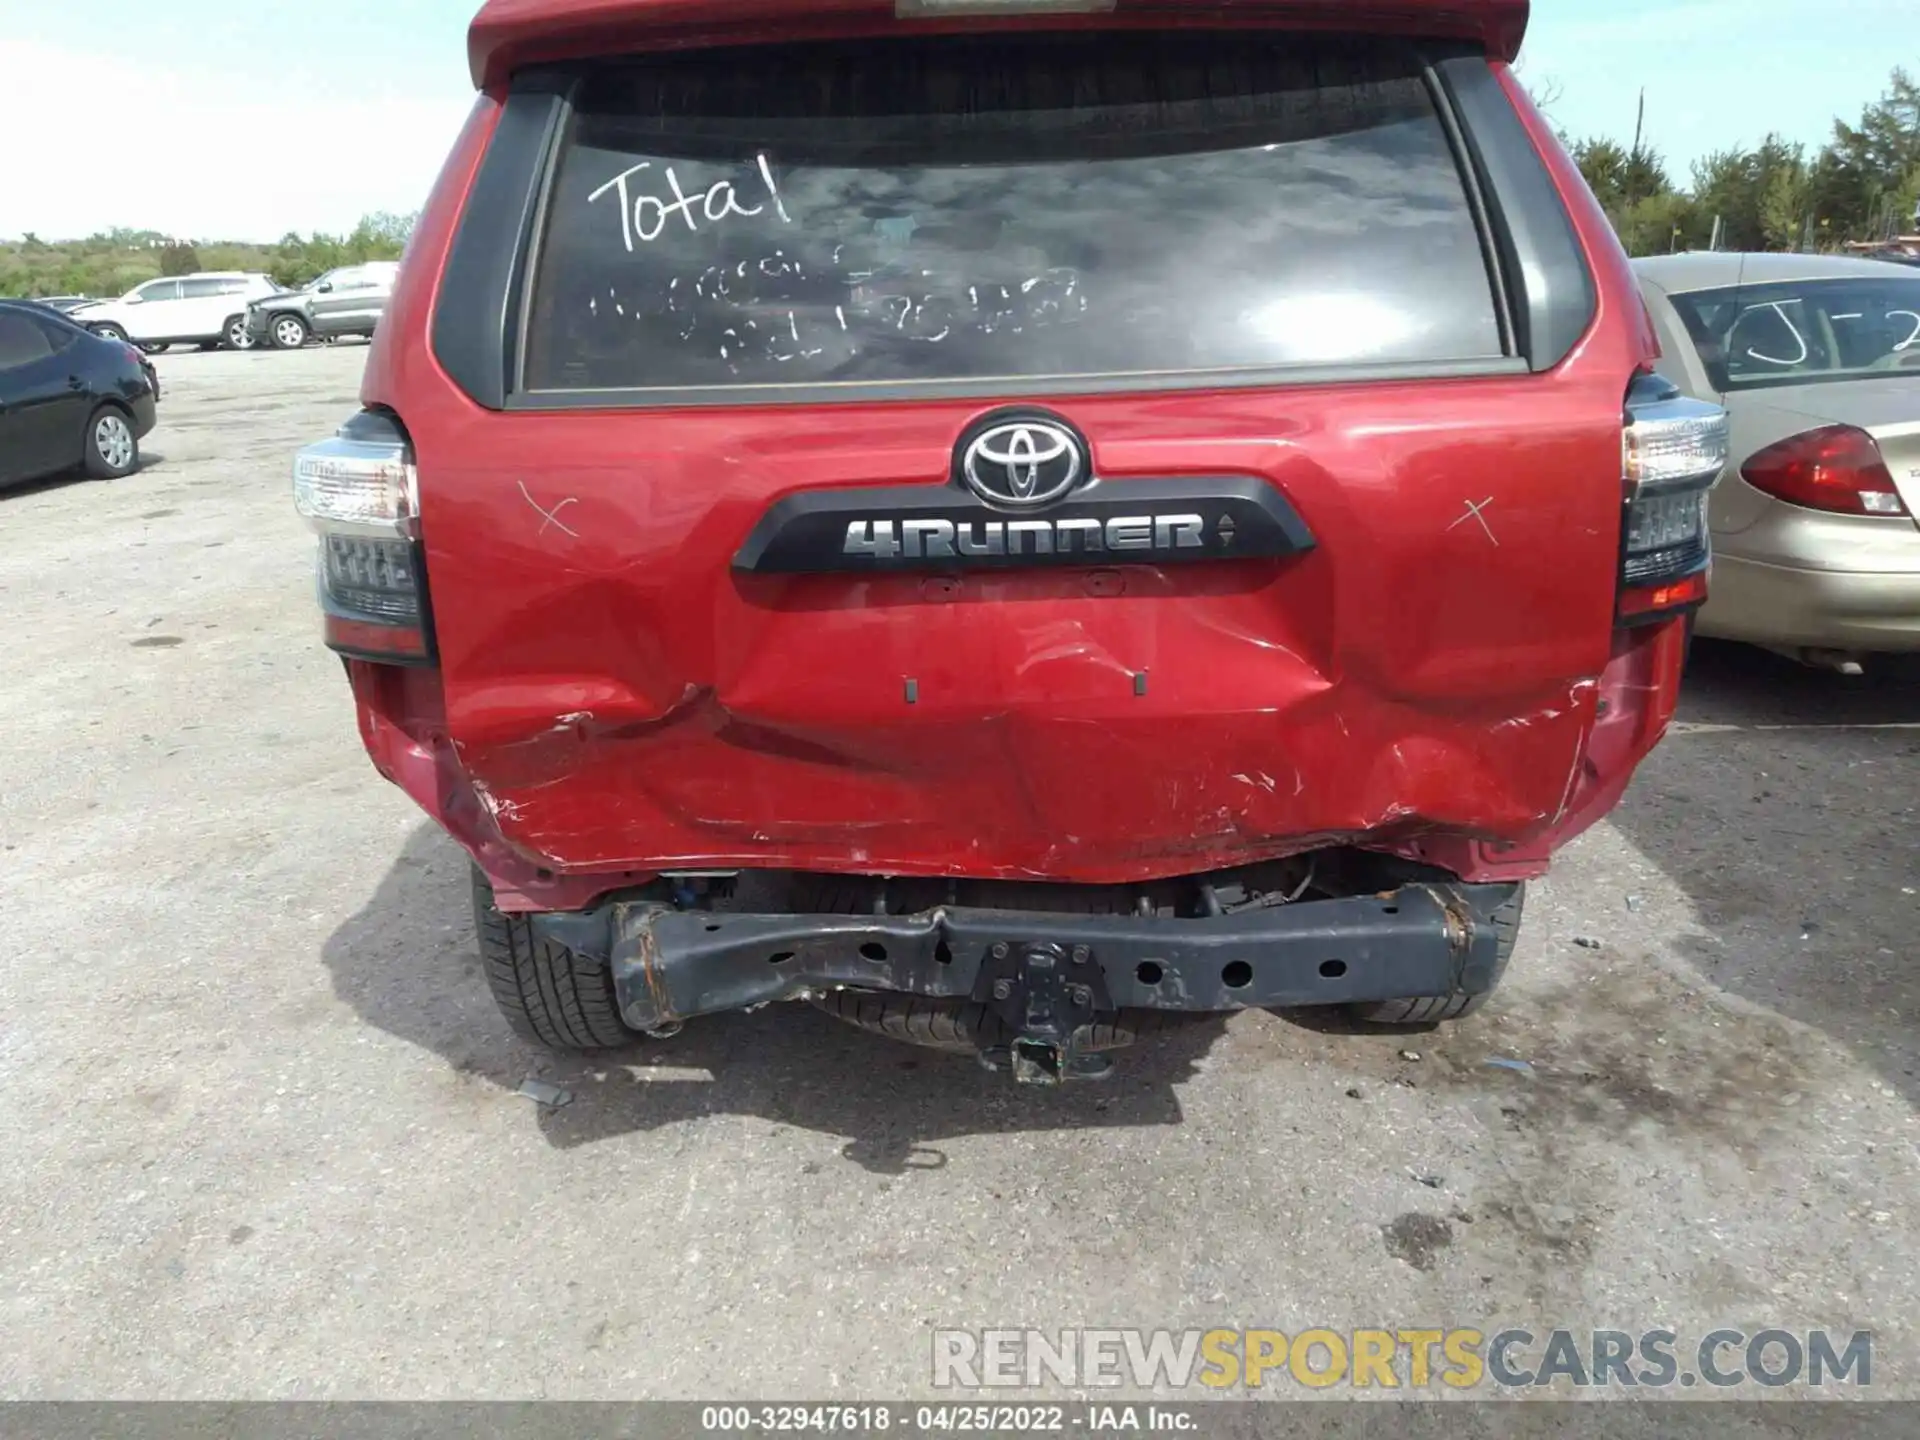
898 212
1755 336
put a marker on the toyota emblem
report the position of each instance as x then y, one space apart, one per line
1023 462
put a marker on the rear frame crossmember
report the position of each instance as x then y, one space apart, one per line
1048 975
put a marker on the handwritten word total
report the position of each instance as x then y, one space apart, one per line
645 216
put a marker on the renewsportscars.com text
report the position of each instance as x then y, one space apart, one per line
1402 1358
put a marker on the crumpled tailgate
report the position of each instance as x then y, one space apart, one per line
622 698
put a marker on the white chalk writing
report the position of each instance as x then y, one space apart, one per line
645 216
777 309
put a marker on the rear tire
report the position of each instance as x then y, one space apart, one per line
112 449
550 995
1431 1009
235 335
155 347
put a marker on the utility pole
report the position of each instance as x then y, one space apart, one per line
1633 160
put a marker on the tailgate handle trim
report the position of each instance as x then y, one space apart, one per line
868 529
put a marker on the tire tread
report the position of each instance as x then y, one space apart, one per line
1433 1009
550 995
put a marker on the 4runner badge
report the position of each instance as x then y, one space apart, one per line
1006 466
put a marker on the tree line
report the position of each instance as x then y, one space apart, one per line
1862 185
113 262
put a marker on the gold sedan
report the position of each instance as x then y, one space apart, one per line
1817 360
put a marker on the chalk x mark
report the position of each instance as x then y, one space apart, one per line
550 517
1477 511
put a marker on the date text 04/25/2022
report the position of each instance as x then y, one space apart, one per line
976 1419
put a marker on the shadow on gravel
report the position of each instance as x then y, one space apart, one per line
1787 806
150 460
59 480
406 963
1731 684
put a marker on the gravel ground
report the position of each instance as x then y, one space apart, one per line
262 1135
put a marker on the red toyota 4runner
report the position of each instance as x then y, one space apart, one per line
1008 519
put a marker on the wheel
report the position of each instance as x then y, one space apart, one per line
113 450
109 332
549 994
154 347
236 334
1429 1009
289 332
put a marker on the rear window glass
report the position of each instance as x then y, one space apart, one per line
1754 336
965 210
21 340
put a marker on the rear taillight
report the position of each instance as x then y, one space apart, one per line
360 492
1673 450
1837 468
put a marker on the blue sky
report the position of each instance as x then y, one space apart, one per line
238 119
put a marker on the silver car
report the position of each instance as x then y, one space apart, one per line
347 301
1817 359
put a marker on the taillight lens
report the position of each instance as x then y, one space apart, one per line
1837 468
1672 452
1666 535
360 492
363 478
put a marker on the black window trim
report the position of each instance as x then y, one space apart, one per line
1514 203
477 340
1530 230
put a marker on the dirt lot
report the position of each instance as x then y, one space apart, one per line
262 1136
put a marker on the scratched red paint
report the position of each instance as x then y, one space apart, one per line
612 699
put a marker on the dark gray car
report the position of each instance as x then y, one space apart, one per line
347 301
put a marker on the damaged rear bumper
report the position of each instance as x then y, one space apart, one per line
1047 973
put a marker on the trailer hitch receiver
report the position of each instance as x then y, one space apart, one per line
1047 996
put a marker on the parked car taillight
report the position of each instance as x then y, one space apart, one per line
1673 450
360 491
1837 468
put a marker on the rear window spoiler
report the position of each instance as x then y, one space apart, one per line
509 35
